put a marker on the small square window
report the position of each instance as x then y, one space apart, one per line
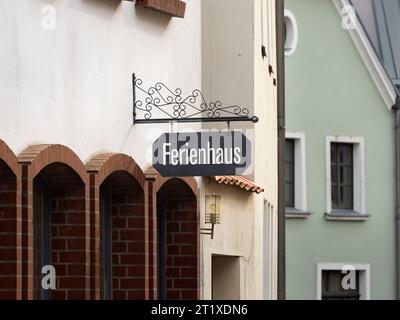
332 286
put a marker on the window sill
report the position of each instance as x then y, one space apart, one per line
292 213
346 215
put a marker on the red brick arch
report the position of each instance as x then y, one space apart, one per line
70 235
40 156
130 280
10 225
9 157
103 165
183 211
159 181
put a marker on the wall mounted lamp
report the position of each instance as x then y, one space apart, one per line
213 213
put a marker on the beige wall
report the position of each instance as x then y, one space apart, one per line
234 71
233 237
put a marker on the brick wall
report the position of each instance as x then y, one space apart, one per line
182 233
68 241
128 245
27 234
75 246
8 236
95 239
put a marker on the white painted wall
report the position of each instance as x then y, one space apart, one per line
72 85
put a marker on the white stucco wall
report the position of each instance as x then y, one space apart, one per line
72 85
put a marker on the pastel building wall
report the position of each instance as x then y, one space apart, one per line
331 96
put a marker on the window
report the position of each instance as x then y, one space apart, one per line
340 281
342 176
345 178
291 33
332 288
295 176
289 174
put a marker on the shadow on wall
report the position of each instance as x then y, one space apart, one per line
104 9
150 21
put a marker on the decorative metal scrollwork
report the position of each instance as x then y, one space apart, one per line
161 105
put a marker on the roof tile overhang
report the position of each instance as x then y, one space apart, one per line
239 182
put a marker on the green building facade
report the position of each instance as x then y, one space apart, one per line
340 164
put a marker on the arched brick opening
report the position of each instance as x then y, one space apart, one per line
177 239
119 224
55 222
10 225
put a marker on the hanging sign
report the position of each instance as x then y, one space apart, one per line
202 154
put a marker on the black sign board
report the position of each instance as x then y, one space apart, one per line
202 154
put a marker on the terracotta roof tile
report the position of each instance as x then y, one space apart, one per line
239 182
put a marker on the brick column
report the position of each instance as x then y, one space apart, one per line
27 233
95 238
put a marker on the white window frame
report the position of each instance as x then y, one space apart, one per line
300 176
292 33
365 276
358 172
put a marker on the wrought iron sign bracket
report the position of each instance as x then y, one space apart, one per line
163 105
